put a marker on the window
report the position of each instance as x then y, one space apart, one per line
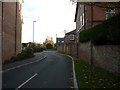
62 41
58 41
82 20
19 7
80 5
109 12
72 37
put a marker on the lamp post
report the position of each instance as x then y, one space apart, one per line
33 32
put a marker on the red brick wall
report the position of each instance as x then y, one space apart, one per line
67 39
19 29
8 30
98 14
103 56
11 46
78 27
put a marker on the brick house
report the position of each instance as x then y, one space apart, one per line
60 44
10 29
60 41
87 16
70 37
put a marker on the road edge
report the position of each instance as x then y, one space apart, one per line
22 65
74 75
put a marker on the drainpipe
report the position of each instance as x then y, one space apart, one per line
84 18
91 16
1 44
91 44
2 32
16 30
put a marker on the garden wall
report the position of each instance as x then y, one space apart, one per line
103 56
107 57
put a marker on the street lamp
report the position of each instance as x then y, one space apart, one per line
33 32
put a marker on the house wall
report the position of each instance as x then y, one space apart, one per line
117 10
90 13
11 30
78 25
93 13
0 33
9 15
67 39
19 28
102 56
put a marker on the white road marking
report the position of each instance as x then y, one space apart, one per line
26 81
21 65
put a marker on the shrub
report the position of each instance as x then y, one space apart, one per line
37 49
27 53
106 32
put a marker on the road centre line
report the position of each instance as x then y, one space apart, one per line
26 81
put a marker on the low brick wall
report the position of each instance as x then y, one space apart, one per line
103 56
73 50
60 47
107 57
84 52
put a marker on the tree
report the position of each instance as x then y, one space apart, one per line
49 41
49 46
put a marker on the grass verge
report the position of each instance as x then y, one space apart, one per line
63 53
89 76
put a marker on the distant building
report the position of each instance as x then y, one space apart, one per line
87 16
60 40
10 29
70 37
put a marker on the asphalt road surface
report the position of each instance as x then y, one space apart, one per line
54 71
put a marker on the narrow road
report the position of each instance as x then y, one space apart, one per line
53 72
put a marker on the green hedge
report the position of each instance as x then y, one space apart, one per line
107 32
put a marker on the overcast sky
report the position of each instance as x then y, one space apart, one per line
52 17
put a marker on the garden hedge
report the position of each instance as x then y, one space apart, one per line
106 32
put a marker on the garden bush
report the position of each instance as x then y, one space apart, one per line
37 49
27 53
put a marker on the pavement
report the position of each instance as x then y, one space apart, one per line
48 70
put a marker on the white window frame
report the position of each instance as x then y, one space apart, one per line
109 12
82 22
72 37
58 41
62 41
